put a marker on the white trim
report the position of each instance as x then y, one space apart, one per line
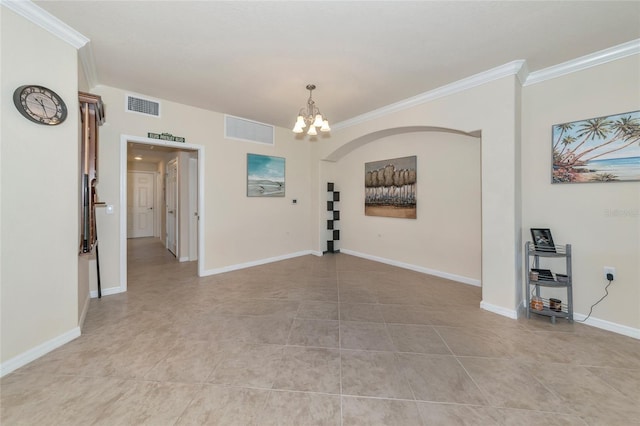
38 351
609 326
173 162
509 313
124 140
512 68
183 259
123 213
46 21
85 309
518 68
599 323
107 291
85 54
598 58
447 275
256 263
201 212
317 253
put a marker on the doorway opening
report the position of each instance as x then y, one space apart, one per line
162 187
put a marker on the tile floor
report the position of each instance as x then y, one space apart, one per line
332 340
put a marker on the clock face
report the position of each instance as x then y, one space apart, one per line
40 105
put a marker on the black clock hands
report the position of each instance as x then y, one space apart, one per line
40 101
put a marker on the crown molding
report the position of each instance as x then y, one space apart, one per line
517 68
598 58
85 54
45 20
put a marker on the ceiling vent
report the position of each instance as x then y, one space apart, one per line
143 106
247 130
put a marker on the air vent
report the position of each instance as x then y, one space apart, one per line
247 130
143 106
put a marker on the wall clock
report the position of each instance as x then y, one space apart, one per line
40 105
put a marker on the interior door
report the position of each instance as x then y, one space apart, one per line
171 196
140 202
193 209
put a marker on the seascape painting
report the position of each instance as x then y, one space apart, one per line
603 149
390 188
265 176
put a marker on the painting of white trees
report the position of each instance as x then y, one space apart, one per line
603 149
265 176
390 188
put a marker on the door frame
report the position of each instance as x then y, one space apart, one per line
193 209
176 220
124 141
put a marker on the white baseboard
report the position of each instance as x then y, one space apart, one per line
238 266
599 323
317 253
40 350
509 313
85 309
609 326
452 277
184 259
107 291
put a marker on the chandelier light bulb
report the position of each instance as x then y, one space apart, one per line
297 129
318 121
325 126
300 122
312 131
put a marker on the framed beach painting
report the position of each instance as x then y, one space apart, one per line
265 176
602 149
390 188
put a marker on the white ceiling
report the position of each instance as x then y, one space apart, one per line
254 59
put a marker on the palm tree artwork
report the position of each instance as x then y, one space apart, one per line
601 149
390 188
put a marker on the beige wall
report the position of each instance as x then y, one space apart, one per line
446 236
39 195
492 109
238 230
600 220
142 166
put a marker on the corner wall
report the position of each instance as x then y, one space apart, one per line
492 109
600 220
445 238
39 198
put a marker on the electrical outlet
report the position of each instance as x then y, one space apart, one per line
609 270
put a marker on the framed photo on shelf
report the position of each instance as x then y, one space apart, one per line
542 239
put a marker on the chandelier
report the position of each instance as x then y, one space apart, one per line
311 116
